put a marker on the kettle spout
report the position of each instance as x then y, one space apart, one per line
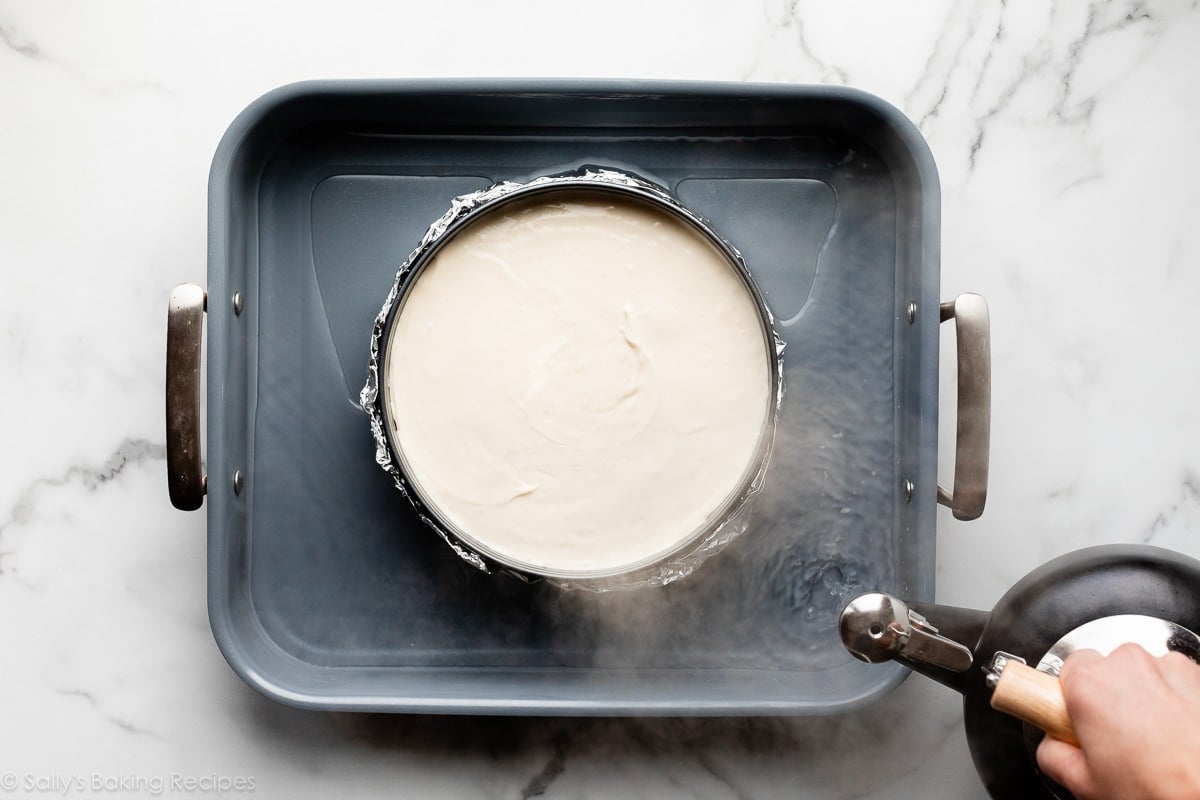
878 627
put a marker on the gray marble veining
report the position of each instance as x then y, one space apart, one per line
1065 135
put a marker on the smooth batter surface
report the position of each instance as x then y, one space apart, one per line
578 383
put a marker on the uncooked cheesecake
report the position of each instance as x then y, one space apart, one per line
579 382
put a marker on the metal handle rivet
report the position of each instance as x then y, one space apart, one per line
912 312
237 303
237 481
909 488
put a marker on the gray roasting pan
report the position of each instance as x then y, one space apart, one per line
326 591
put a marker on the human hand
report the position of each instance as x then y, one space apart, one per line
1137 719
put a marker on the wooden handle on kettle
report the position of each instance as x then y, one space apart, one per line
1035 697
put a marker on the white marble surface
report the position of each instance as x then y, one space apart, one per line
1066 135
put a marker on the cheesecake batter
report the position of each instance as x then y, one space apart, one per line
578 383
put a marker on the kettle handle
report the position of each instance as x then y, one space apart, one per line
1035 697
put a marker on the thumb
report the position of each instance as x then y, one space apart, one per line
1064 764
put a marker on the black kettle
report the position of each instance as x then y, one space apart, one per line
1096 598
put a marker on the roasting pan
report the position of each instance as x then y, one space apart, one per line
325 589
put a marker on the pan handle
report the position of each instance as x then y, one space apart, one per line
186 480
973 335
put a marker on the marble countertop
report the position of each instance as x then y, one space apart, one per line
1065 135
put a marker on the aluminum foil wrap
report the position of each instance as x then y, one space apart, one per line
676 565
